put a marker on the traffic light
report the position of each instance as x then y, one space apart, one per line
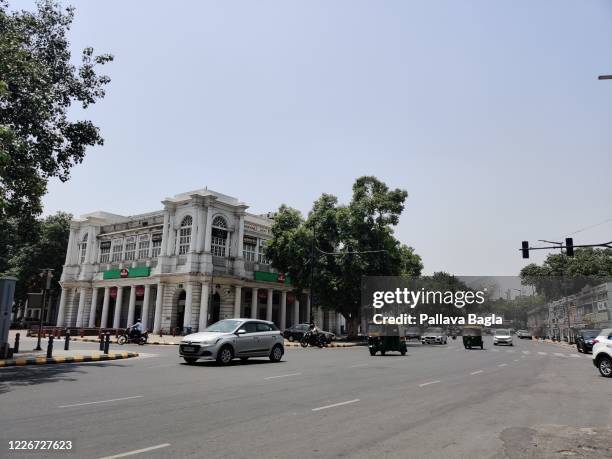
525 249
569 246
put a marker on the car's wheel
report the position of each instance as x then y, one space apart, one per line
578 348
122 340
225 355
276 354
372 351
605 366
291 338
403 352
382 352
482 347
190 360
494 344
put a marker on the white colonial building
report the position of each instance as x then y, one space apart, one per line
198 260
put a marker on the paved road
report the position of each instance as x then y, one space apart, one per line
531 400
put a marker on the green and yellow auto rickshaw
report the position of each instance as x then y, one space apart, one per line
472 337
385 338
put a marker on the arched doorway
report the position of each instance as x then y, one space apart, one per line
180 311
215 310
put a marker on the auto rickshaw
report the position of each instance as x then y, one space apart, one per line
472 337
385 338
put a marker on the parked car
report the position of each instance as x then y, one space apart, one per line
502 336
602 352
584 340
413 333
434 335
523 334
296 333
234 338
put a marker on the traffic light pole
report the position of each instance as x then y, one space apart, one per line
569 247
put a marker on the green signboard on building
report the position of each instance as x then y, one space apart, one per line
270 277
142 271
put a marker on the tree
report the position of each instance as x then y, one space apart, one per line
38 85
339 244
561 275
47 250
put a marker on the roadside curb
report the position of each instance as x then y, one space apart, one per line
287 343
336 345
66 359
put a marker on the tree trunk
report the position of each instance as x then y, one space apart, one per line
352 324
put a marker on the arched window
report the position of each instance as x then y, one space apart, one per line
185 235
219 237
83 248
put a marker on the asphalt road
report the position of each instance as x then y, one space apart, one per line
530 400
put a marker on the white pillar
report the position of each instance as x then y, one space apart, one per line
283 311
240 236
308 308
254 302
338 323
194 229
70 250
296 311
118 301
131 305
165 234
80 311
208 230
188 301
237 300
204 306
201 229
158 308
90 248
269 305
105 303
145 306
62 308
92 310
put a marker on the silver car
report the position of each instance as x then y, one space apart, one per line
502 336
234 338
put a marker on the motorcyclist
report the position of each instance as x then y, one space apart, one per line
136 330
313 331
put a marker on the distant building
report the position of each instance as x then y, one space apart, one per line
198 260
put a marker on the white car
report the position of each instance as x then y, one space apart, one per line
502 336
602 352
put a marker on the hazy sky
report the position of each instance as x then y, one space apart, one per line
489 113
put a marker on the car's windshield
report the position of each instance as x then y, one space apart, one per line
223 326
502 332
590 333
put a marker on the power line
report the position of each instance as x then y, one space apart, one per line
590 226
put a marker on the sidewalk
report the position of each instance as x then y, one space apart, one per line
61 356
176 340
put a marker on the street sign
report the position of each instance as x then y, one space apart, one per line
124 273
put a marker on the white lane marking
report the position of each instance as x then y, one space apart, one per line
510 352
283 376
559 355
495 350
476 372
428 383
335 404
101 401
575 355
359 365
526 352
502 365
137 451
516 360
542 353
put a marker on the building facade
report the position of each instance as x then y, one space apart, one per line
591 308
198 260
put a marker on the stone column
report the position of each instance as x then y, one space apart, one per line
296 311
308 308
201 229
158 308
204 306
118 301
105 303
188 301
194 229
89 250
269 305
338 324
92 310
80 311
131 305
208 230
145 306
165 234
237 300
254 302
62 308
240 237
70 250
283 311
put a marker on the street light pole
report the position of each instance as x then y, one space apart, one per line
46 275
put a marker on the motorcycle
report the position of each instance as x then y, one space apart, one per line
127 338
312 339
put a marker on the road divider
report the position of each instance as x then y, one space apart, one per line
66 359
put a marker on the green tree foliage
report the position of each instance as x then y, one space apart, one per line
38 86
561 275
338 244
45 249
